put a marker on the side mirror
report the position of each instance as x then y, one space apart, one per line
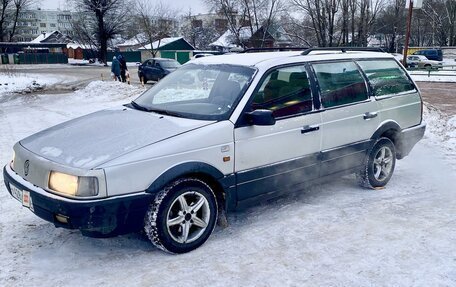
261 118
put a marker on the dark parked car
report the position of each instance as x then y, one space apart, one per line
431 54
156 68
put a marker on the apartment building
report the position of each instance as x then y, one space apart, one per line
32 23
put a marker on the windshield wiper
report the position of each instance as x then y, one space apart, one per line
157 111
139 107
165 112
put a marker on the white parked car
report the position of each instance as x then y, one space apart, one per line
219 134
420 61
201 55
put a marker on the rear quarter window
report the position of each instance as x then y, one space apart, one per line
386 77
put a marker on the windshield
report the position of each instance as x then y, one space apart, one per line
207 92
170 64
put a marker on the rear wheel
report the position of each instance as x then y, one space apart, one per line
380 163
143 79
182 216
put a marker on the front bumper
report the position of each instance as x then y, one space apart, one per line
408 138
100 217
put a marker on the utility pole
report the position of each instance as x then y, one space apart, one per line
407 34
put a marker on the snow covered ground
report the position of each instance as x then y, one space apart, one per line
335 234
14 82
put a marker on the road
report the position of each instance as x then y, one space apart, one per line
84 74
440 95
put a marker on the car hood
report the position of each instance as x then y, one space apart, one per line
97 138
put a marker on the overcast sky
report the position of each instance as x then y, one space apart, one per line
196 6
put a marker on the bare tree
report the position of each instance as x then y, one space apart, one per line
19 6
155 21
99 21
391 23
238 15
248 15
450 9
368 11
300 30
323 16
199 36
5 4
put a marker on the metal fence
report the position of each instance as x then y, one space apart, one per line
443 71
133 56
43 58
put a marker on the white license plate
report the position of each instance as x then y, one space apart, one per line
23 196
16 193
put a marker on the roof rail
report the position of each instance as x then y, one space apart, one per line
274 49
343 49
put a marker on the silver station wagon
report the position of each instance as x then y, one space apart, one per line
219 134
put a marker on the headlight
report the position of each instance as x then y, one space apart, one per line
12 161
73 185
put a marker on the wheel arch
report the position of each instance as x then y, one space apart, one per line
392 131
220 183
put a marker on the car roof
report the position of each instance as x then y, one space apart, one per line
160 59
277 58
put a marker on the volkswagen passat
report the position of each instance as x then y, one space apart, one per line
219 134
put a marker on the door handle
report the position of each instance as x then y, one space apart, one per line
370 115
308 129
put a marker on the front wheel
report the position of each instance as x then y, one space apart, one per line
380 163
182 216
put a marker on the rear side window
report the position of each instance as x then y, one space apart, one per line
386 77
285 92
340 83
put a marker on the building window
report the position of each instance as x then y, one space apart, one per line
221 24
43 25
197 23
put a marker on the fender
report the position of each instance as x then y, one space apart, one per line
390 125
228 182
181 170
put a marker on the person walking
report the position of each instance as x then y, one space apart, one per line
115 69
123 67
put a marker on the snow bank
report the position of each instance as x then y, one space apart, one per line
109 91
12 82
440 130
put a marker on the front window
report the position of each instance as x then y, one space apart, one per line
207 92
285 91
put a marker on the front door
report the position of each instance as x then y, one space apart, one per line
273 159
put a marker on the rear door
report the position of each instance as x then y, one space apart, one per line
349 116
397 97
273 159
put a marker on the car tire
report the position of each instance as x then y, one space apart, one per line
182 216
142 78
379 164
